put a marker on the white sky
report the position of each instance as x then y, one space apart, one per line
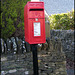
58 6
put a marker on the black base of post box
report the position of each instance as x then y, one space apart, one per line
35 59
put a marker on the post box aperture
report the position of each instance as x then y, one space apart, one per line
34 22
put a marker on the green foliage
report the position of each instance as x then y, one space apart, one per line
12 16
64 21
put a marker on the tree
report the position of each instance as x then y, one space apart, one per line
12 17
64 21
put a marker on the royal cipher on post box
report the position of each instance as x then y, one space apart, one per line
34 22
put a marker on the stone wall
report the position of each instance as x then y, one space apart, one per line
51 61
57 57
66 38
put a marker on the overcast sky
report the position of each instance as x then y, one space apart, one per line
58 6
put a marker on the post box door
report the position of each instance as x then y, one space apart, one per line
36 30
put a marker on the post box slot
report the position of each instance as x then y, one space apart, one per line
36 9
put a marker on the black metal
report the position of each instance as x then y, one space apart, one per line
35 59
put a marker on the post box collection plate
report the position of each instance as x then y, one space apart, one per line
37 29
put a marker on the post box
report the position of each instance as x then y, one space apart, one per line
34 22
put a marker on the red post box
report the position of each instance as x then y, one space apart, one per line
34 22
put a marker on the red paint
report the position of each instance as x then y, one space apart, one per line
33 10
